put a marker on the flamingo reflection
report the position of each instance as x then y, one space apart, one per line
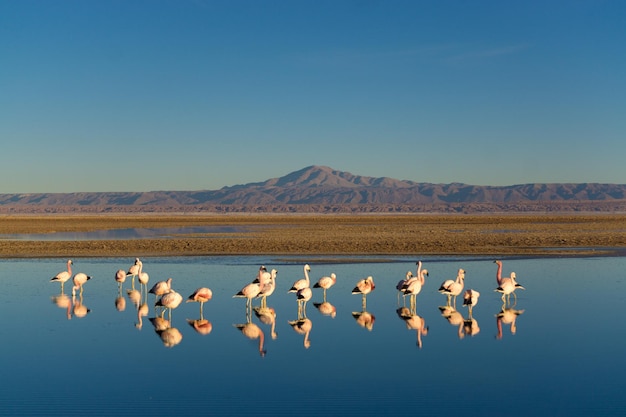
63 301
507 316
252 332
326 308
303 327
63 276
364 319
142 311
79 310
454 318
267 316
413 322
201 326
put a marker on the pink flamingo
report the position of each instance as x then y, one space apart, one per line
79 280
267 288
201 295
326 282
303 296
120 277
507 285
161 288
249 292
143 277
170 300
63 276
470 299
364 287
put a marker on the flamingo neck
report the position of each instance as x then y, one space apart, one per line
69 267
499 273
306 277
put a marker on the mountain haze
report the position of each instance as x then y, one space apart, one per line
323 189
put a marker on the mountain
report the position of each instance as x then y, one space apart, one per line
323 189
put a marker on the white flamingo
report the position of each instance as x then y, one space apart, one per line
79 280
63 276
364 287
470 299
452 288
303 282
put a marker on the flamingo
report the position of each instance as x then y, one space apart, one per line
201 295
507 285
303 282
470 299
453 288
170 300
249 292
252 331
401 285
415 285
268 288
79 281
63 276
142 276
161 288
303 296
133 271
263 277
326 282
120 277
364 287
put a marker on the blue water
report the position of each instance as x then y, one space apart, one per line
564 355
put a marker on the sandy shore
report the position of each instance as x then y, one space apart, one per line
325 235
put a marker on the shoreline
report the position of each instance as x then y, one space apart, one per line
326 235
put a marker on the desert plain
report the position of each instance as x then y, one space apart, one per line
324 235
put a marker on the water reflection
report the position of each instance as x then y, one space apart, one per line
454 318
252 332
63 301
413 322
267 316
507 316
79 310
326 309
303 327
364 319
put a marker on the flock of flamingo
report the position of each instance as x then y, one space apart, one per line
264 285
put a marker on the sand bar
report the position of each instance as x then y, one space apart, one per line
326 235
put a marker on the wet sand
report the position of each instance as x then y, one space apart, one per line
327 235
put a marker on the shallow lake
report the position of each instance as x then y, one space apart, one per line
559 350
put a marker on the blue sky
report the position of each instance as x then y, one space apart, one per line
129 95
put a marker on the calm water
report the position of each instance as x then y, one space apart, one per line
564 355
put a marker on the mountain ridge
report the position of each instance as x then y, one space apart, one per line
323 189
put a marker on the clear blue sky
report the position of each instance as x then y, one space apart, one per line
128 95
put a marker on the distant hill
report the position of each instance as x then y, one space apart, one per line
323 189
